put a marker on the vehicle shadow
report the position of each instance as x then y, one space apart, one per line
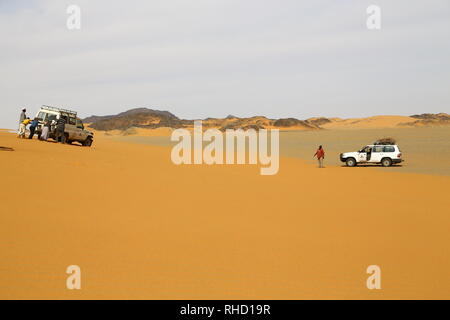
372 165
67 144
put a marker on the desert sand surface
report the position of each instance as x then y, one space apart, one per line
142 228
140 132
425 149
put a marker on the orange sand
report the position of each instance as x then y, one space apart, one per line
134 131
142 228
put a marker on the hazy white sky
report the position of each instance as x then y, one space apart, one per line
211 58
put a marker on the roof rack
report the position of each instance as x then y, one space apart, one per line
59 109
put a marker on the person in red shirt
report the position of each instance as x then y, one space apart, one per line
320 154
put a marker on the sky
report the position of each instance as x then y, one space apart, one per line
213 58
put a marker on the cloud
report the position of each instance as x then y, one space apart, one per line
213 58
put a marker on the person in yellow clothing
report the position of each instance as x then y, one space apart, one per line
23 127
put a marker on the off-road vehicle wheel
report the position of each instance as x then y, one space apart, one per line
386 162
87 142
350 162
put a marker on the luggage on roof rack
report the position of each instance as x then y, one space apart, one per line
385 141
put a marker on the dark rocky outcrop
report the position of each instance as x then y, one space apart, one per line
319 121
292 122
140 117
429 119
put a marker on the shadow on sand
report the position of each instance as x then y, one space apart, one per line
67 144
373 165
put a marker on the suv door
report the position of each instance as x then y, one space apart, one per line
81 133
377 154
71 127
389 151
362 155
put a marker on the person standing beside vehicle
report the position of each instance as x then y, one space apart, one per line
45 130
60 128
23 117
320 154
23 128
33 127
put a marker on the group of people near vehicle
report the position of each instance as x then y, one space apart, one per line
59 127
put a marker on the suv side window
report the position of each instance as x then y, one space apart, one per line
51 117
377 149
389 149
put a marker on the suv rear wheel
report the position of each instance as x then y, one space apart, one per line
350 162
386 162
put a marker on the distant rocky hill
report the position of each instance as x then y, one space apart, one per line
430 119
432 116
152 119
292 122
319 121
139 117
132 112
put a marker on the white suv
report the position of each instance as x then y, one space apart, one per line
386 155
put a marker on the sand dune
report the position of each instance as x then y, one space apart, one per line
370 122
141 227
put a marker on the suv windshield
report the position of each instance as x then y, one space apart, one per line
41 115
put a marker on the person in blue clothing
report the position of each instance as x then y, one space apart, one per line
33 127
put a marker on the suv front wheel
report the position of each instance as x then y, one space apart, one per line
386 162
87 142
350 162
